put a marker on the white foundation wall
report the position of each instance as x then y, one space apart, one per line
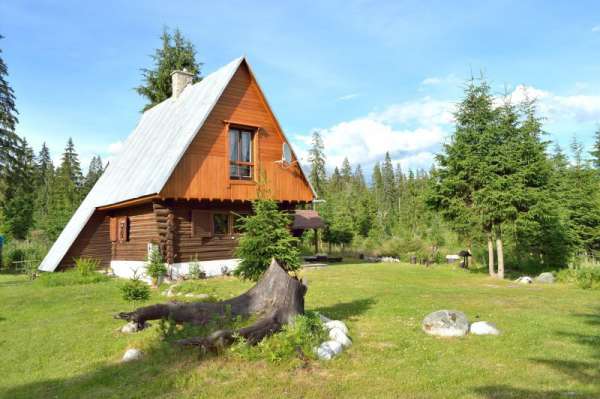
210 267
128 269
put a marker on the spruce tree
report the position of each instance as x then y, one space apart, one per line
462 171
176 53
9 141
94 172
18 204
65 193
316 157
266 236
595 153
346 171
44 178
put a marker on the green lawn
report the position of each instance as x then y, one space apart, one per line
61 342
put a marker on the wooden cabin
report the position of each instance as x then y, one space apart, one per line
186 173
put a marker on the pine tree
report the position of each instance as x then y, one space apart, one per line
44 178
583 202
595 153
461 172
346 172
65 193
318 175
389 190
176 53
9 141
94 172
18 205
266 236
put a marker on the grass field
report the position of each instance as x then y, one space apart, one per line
61 342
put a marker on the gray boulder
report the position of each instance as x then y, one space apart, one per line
484 328
546 278
446 323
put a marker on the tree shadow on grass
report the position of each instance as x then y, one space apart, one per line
155 374
583 372
347 310
114 379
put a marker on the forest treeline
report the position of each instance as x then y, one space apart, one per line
496 189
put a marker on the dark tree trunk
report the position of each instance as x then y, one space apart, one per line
277 297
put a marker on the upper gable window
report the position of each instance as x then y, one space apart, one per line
241 162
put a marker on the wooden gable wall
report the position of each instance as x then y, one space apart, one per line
203 172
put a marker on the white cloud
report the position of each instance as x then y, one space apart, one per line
554 107
449 79
115 148
408 131
413 131
347 97
431 81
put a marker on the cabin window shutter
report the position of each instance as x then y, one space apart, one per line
201 224
113 229
123 229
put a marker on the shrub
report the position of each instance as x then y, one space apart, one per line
299 337
155 264
266 236
585 277
135 291
196 271
86 266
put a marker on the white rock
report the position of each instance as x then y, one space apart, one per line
334 346
132 327
336 324
132 355
524 280
446 323
324 353
484 328
338 335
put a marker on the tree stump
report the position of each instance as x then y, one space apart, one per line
277 298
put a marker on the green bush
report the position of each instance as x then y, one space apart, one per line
135 291
155 264
70 277
299 337
266 236
195 271
86 266
586 277
23 250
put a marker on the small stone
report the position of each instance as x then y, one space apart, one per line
338 335
132 327
334 346
336 324
484 328
446 323
132 355
524 280
545 278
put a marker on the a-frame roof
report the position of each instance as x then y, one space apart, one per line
149 155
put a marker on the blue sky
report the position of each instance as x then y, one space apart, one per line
372 76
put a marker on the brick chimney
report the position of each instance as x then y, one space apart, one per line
179 81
